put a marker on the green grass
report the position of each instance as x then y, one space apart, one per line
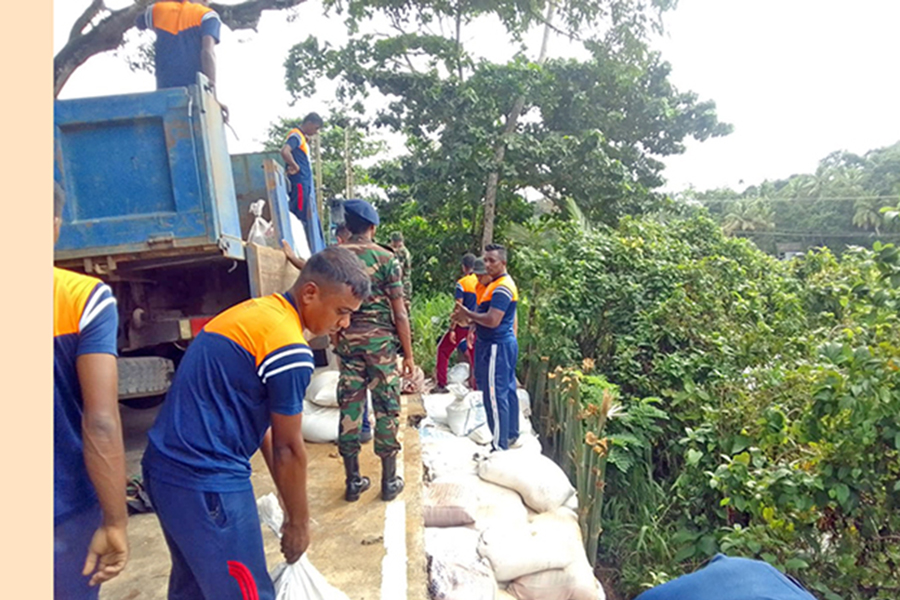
430 319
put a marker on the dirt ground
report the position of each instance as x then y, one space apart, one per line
368 549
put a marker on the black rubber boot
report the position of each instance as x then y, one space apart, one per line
356 484
391 483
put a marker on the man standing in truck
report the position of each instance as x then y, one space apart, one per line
301 189
368 352
90 545
240 387
186 38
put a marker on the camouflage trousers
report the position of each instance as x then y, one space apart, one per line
372 367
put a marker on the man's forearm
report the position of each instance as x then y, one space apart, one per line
104 457
487 319
289 472
208 65
404 332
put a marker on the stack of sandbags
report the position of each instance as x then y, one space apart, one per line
455 571
321 413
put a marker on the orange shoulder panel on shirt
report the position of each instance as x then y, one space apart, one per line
507 282
175 17
70 294
260 325
469 283
303 145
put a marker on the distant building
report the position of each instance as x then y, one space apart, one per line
789 250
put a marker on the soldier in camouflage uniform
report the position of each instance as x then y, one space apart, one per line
405 258
368 352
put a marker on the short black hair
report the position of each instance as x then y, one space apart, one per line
337 265
313 119
59 199
499 249
468 260
356 224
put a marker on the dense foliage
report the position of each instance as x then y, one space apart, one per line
760 398
837 206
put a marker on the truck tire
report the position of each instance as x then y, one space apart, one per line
143 377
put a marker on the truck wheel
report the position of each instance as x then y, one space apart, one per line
143 379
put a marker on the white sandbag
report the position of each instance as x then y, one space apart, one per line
459 373
322 388
497 504
458 416
541 483
444 457
505 595
515 550
458 544
436 406
524 402
458 389
482 435
449 503
475 398
528 442
448 580
320 424
525 424
301 580
575 582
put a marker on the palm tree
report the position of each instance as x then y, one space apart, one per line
868 214
751 214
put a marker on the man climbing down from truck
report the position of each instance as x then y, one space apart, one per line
496 348
186 38
90 545
368 353
301 189
458 332
239 387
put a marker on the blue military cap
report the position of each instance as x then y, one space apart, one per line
362 210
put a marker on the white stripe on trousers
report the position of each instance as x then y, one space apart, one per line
492 387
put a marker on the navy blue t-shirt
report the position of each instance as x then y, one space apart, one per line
179 27
85 321
248 362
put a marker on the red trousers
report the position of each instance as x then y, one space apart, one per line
445 350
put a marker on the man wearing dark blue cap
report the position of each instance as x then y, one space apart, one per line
368 352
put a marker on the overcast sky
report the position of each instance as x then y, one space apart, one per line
798 79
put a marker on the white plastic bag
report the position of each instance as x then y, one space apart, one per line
436 406
524 402
459 373
301 580
262 232
298 231
539 480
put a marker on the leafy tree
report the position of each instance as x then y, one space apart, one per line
561 128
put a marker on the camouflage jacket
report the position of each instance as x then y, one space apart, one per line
375 316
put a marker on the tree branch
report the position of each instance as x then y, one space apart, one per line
86 17
109 33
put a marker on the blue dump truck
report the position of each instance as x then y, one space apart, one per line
158 209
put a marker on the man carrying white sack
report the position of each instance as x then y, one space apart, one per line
496 348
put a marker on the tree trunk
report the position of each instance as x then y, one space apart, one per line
109 33
512 119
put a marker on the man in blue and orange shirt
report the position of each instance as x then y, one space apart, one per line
90 545
239 388
301 189
496 348
186 38
456 335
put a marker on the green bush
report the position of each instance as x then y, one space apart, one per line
430 320
759 399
